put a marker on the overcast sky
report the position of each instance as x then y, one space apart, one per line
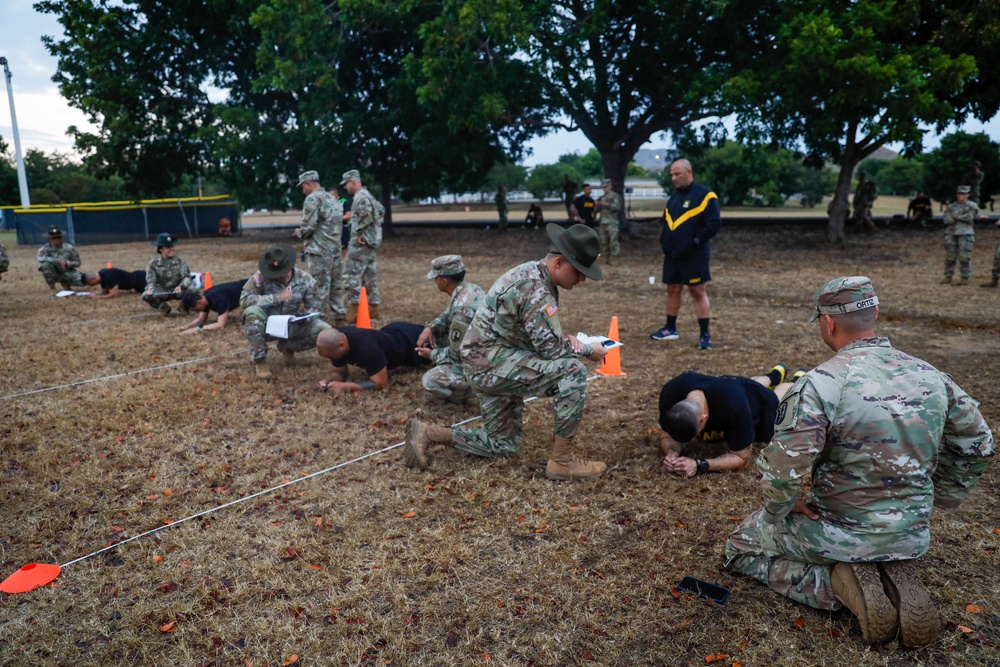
43 116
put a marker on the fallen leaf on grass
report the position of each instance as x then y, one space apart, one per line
715 657
997 531
292 658
800 623
169 627
157 558
117 529
974 609
967 630
409 515
318 568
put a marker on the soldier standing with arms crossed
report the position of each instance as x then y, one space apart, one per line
366 236
322 218
959 236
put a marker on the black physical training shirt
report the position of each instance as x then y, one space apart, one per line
225 296
740 411
392 346
123 280
584 206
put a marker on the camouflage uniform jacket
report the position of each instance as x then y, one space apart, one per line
518 316
611 204
4 260
50 253
263 293
883 437
322 219
366 219
450 326
163 275
959 218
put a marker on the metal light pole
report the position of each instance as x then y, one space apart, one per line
22 178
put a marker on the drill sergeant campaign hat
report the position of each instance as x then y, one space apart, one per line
963 190
307 176
844 295
350 175
276 261
55 232
164 240
580 245
446 265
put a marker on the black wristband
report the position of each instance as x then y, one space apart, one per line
702 466
366 385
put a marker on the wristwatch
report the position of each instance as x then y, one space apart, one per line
702 466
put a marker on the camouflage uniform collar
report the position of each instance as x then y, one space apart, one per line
546 276
875 341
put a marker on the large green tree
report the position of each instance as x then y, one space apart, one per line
847 78
946 165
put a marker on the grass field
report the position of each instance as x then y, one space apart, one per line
471 562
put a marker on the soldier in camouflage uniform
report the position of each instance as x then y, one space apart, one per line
959 236
322 218
4 261
879 439
366 236
995 277
167 276
278 288
501 201
441 339
515 348
58 261
974 179
610 206
864 197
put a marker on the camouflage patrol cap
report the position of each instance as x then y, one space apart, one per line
963 190
307 176
844 295
446 265
276 261
164 240
350 175
55 232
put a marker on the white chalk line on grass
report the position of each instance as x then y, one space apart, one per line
272 489
117 375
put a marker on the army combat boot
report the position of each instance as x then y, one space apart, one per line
262 372
165 309
419 437
946 280
564 465
994 281
858 586
961 281
373 311
352 313
282 346
919 620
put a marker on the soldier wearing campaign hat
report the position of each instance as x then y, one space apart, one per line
441 339
878 439
515 348
59 261
278 288
959 236
167 276
360 268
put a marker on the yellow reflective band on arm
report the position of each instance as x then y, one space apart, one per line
674 224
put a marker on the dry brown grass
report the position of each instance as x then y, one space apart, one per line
473 561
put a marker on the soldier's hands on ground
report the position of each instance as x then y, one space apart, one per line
680 465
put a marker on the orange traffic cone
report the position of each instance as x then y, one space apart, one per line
364 320
109 265
612 363
208 280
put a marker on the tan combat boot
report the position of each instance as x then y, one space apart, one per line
339 323
993 282
419 437
919 620
352 313
961 281
858 586
564 465
262 371
285 352
373 311
946 280
165 309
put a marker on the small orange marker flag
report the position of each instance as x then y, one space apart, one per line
208 280
30 577
612 363
109 265
364 319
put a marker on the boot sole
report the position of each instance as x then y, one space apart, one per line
919 619
411 455
566 477
865 597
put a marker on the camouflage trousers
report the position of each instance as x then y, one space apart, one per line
863 216
794 557
958 247
4 260
608 232
54 274
301 335
156 301
502 391
502 214
328 272
360 270
447 382
996 262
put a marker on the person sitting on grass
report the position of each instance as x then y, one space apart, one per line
377 351
222 299
167 277
59 261
736 410
112 281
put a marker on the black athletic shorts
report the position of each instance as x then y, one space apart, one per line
685 270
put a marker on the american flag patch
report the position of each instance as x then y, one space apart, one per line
552 309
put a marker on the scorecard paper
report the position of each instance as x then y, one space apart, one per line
278 325
603 340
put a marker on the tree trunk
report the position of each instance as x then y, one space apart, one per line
840 207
